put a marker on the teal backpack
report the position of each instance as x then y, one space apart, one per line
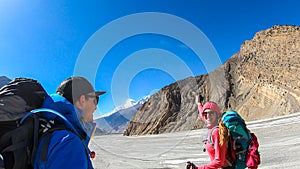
243 144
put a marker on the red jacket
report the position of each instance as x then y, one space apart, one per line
217 153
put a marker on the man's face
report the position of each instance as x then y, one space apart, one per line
89 106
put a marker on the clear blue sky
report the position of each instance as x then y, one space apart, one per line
130 48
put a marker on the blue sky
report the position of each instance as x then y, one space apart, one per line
130 48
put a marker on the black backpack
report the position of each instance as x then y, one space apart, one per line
19 140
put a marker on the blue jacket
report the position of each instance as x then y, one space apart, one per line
66 149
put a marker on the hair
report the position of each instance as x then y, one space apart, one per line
224 133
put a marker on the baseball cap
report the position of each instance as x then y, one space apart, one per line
73 87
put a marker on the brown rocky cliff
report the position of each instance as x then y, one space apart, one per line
260 81
265 74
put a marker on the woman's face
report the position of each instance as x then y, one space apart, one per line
210 117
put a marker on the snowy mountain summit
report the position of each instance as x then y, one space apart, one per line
117 120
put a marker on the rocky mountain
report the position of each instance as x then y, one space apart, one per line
4 80
260 81
118 120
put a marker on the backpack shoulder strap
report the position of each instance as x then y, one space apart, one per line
44 147
46 142
209 135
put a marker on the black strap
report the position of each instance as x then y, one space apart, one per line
1 163
14 147
47 138
6 138
36 125
44 147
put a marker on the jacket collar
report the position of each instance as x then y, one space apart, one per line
73 114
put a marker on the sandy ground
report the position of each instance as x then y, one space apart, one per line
279 140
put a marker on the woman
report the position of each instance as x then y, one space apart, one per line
217 138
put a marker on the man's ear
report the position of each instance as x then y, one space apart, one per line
82 99
80 102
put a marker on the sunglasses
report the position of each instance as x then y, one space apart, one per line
96 100
210 113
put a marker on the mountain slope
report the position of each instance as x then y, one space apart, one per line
4 80
260 81
117 121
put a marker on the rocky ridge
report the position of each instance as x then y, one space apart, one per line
260 81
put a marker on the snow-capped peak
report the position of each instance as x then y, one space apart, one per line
128 103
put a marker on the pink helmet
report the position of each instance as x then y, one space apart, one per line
208 105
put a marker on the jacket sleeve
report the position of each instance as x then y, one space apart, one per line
218 160
66 151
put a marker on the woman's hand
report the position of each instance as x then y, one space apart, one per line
190 165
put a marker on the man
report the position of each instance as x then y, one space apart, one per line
76 100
